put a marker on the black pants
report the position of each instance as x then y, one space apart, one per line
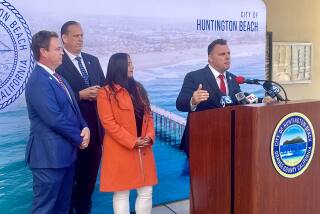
86 171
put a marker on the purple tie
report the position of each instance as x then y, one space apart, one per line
61 82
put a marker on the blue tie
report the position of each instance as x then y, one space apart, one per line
83 72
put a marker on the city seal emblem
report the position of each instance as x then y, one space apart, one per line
16 59
292 145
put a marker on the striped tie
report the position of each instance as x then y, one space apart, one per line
83 72
61 81
62 84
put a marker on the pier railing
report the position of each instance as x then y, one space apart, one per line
169 126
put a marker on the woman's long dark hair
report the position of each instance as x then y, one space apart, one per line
117 73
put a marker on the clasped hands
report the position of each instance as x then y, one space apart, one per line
89 93
85 134
142 142
199 95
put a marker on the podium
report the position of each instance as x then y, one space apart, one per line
231 168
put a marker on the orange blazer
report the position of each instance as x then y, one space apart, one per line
124 167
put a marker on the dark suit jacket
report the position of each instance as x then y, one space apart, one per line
55 122
191 83
74 78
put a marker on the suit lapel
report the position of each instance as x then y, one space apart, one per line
211 80
73 100
230 82
51 79
58 86
73 69
214 85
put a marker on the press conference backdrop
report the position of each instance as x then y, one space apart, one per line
166 39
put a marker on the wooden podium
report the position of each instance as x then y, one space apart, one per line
231 167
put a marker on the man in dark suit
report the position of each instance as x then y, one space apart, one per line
84 74
203 89
57 128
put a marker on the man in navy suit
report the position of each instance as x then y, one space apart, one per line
85 76
203 89
57 128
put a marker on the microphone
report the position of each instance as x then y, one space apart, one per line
252 99
272 90
226 101
241 98
241 80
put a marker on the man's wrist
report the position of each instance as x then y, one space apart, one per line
80 95
192 101
192 106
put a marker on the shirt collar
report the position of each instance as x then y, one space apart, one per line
216 73
72 56
46 68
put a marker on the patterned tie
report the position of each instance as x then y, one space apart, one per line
62 83
83 72
223 88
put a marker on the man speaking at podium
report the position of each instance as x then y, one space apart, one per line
206 88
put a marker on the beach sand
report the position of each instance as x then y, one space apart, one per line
142 61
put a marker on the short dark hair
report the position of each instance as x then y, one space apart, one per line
41 40
216 42
65 26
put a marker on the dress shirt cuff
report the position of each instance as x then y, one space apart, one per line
192 107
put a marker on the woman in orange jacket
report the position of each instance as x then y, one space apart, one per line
127 161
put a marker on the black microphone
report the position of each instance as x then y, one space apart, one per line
241 98
272 90
241 80
226 101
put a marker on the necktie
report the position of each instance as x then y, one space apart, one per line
61 83
222 84
83 72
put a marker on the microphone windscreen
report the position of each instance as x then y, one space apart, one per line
240 79
226 101
240 96
252 98
267 85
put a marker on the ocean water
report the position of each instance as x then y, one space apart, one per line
163 85
15 178
293 154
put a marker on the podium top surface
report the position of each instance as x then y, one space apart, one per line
280 103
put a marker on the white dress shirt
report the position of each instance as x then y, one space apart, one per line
51 73
75 62
47 70
216 76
